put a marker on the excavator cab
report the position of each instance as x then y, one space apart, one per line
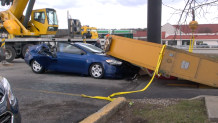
45 21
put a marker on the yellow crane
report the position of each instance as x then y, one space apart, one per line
176 62
42 22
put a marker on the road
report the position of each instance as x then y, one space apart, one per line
55 97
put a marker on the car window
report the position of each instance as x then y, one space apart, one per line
68 48
91 48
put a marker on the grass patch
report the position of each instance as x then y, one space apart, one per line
185 111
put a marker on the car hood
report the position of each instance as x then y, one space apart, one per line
104 56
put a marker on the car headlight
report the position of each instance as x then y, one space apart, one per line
8 91
113 62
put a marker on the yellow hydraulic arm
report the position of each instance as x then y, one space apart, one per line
175 62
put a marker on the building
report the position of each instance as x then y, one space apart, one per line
123 33
140 35
181 35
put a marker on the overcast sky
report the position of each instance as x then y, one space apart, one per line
113 13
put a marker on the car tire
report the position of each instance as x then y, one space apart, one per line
96 70
9 53
24 50
36 67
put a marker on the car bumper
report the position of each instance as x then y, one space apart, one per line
126 69
8 112
112 71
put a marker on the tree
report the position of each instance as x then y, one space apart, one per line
192 8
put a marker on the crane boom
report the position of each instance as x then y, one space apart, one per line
42 22
17 8
175 62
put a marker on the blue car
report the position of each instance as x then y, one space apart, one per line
9 110
81 58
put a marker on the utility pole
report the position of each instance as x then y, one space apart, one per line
154 21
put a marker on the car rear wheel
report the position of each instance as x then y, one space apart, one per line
96 71
36 67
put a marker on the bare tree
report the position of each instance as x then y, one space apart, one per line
194 8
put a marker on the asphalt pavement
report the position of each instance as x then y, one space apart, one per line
55 97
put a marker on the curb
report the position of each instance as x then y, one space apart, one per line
210 105
105 113
199 97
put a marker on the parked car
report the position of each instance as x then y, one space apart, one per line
202 45
81 58
9 110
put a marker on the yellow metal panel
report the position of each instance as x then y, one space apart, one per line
208 73
185 65
12 27
137 52
176 62
190 66
167 62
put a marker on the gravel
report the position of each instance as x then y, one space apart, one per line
158 101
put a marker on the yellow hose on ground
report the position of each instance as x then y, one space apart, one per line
121 93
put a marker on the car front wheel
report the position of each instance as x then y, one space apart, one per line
36 67
96 71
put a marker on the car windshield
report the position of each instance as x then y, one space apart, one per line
91 48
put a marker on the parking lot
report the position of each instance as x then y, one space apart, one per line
55 97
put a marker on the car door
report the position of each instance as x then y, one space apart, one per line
47 61
71 59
